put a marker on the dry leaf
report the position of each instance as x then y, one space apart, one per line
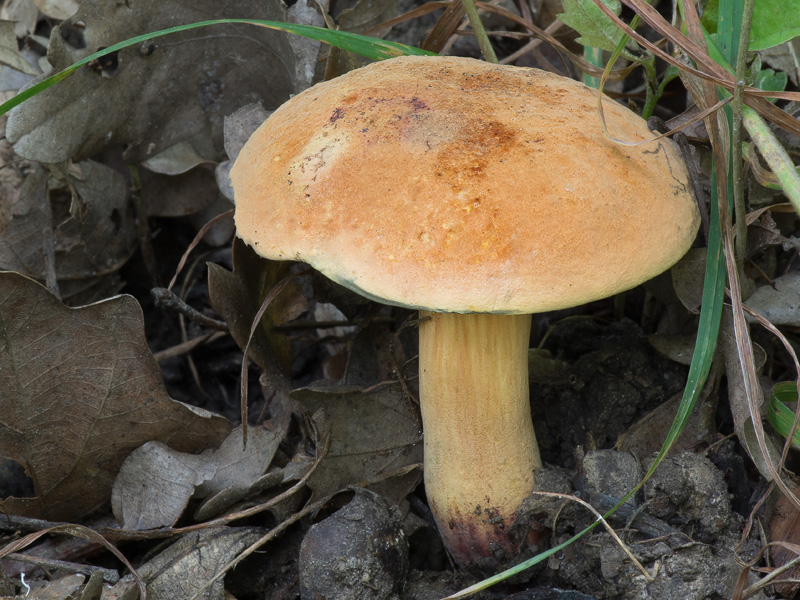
740 409
185 568
86 215
57 9
780 304
240 126
178 195
687 278
372 435
163 92
79 391
238 295
57 589
156 483
23 13
177 159
365 14
9 52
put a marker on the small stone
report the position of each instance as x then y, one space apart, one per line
359 552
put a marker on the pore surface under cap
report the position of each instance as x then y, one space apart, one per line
456 185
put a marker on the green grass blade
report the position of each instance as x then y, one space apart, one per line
373 48
779 414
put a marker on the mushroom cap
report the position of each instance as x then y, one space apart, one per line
455 185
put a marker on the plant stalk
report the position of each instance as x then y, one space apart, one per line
479 31
774 154
737 105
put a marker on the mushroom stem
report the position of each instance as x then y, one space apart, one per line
480 448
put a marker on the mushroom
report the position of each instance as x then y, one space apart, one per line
479 194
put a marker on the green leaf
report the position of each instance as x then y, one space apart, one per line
780 416
373 48
774 22
595 28
771 81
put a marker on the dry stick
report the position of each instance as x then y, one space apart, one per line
188 346
200 235
166 298
277 289
550 30
82 532
109 575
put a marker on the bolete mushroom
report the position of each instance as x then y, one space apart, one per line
479 194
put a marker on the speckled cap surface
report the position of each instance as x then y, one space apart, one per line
455 185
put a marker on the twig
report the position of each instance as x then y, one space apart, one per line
197 238
166 298
109 575
188 346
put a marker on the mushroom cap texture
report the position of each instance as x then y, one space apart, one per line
456 185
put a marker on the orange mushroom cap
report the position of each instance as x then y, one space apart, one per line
456 185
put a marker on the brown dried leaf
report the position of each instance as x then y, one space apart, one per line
79 390
644 438
9 52
24 14
372 435
743 423
155 483
177 159
145 106
238 295
57 9
57 589
178 195
687 278
184 569
86 214
779 303
240 126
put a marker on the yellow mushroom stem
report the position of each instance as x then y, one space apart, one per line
480 448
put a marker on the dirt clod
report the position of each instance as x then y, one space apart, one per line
359 552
